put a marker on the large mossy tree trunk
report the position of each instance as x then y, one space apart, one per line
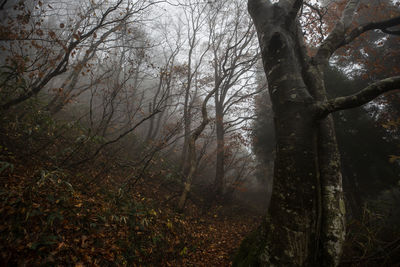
305 225
291 232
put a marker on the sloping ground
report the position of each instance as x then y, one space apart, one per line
200 237
210 241
57 218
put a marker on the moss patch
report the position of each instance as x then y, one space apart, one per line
249 250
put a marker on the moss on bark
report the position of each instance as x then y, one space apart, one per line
250 250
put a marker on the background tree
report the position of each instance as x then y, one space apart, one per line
54 45
233 59
195 15
193 163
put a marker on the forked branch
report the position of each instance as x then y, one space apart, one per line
337 35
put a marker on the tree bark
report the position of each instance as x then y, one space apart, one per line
305 225
220 169
291 233
192 155
291 229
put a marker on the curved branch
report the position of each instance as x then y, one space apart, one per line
366 95
122 135
381 25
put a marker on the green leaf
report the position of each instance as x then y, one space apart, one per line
184 251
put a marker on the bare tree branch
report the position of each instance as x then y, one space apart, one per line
338 37
122 135
381 25
364 96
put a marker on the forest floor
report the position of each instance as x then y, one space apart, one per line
55 212
56 217
211 237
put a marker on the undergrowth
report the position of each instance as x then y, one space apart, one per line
62 206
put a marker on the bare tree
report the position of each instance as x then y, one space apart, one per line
192 156
54 46
195 15
234 56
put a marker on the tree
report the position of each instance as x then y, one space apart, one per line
121 39
195 15
192 155
305 225
234 56
52 47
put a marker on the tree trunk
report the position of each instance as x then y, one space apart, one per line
192 156
187 127
187 121
291 228
333 207
220 171
151 126
192 164
304 225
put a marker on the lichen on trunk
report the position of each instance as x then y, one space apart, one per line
302 227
